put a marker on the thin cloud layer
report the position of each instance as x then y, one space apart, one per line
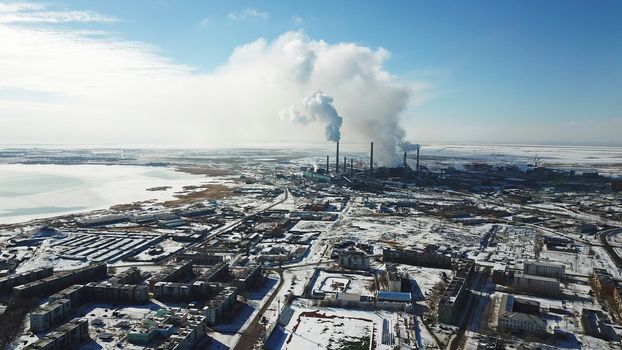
40 13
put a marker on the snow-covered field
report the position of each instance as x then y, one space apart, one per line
36 191
333 328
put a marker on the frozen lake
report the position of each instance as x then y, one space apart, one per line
36 191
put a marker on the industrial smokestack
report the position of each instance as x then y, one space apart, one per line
337 159
351 167
327 165
405 164
371 161
417 160
344 165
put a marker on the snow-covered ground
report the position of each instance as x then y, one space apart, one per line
36 191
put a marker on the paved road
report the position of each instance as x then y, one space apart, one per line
610 250
252 334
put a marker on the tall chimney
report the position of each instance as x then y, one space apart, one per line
344 165
405 164
417 160
371 161
327 165
351 167
337 159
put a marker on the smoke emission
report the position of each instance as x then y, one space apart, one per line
318 106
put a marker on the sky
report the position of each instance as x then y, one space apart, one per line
241 73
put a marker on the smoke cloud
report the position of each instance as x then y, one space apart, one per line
317 106
51 93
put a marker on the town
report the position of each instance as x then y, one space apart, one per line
302 251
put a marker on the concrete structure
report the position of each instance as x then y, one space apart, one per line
188 336
217 272
246 276
52 284
50 314
172 273
354 259
394 296
452 301
394 279
536 284
68 336
215 308
511 320
118 293
74 293
429 256
596 324
544 269
526 306
8 282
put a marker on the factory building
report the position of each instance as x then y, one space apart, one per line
511 319
536 284
8 282
354 259
103 220
68 336
544 269
216 307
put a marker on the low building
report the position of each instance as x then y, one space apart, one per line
394 296
511 320
544 269
596 324
536 284
526 306
354 259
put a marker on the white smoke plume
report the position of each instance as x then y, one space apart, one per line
50 93
318 106
408 146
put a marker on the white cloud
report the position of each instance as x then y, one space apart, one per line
40 13
248 13
62 85
297 20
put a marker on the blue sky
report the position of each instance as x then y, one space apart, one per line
488 66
